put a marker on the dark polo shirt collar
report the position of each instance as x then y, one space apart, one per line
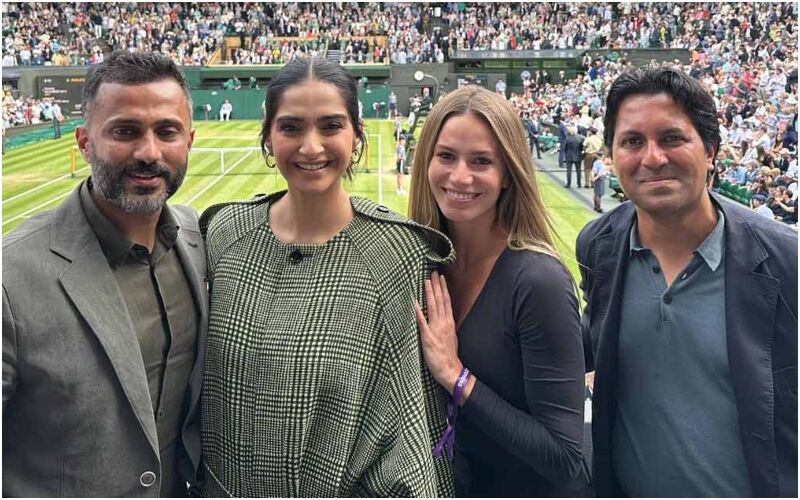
115 245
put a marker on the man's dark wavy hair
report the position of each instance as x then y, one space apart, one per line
131 68
687 92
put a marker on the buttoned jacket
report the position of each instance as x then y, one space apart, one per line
77 413
761 333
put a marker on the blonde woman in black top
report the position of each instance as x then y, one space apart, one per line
502 327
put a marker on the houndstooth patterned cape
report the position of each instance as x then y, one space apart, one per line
314 382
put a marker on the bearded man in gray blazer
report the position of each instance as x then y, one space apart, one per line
105 305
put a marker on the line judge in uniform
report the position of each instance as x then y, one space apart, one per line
104 305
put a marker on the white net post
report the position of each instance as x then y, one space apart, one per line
379 167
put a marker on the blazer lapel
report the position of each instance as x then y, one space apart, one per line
611 252
91 286
191 252
750 305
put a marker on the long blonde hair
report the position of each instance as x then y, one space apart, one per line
520 211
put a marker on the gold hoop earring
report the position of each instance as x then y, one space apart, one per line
267 156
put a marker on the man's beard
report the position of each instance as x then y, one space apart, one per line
109 181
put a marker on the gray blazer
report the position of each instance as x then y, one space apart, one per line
77 415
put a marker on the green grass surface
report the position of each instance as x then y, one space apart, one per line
37 178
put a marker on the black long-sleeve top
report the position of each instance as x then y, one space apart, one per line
520 432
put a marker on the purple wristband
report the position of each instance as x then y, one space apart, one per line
461 383
447 439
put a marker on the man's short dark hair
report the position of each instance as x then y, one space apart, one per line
131 68
687 92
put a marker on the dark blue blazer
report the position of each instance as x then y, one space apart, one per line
761 323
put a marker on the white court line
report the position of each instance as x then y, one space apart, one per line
219 178
34 209
40 186
51 200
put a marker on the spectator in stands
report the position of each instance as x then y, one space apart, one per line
338 343
232 83
788 205
737 174
9 59
677 260
517 413
760 207
785 160
791 170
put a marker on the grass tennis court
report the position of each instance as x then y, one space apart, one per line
37 177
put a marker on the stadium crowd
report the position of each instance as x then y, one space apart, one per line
25 111
745 55
752 75
77 33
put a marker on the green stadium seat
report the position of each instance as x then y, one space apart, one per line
729 190
743 195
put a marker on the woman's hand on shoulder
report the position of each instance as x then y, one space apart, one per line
438 333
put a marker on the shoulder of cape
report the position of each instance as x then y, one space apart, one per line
440 245
213 210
